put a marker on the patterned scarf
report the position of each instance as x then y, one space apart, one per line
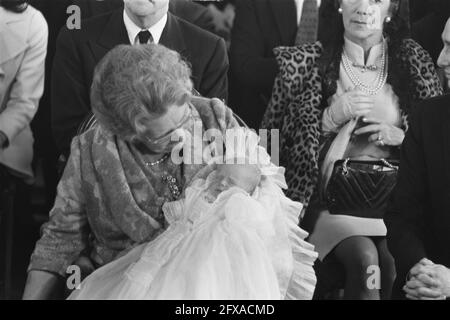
121 179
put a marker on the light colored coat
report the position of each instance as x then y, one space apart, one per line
23 49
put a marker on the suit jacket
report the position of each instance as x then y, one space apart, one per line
418 221
79 51
23 48
259 27
184 9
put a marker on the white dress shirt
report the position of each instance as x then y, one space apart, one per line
132 29
299 4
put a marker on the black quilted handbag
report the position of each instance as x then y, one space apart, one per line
361 188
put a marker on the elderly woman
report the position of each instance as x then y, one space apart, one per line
120 172
349 98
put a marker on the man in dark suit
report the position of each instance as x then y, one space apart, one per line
185 9
142 21
418 221
259 27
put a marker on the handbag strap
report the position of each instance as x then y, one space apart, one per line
388 164
384 161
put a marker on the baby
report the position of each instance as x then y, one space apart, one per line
244 176
233 236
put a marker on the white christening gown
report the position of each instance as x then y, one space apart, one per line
239 247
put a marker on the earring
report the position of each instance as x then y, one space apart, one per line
388 19
340 10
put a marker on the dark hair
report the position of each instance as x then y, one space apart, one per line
333 41
17 6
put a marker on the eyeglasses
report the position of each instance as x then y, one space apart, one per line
167 137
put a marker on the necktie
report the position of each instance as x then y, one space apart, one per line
144 37
309 22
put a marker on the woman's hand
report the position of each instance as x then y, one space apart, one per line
353 103
382 134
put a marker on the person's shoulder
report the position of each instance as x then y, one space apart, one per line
190 10
90 27
30 25
36 17
291 58
30 15
91 136
200 42
309 49
195 33
411 49
38 27
101 20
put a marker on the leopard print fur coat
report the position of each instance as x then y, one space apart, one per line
296 107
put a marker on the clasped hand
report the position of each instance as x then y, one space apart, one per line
428 281
381 133
355 103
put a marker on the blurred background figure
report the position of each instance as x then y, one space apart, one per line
223 14
23 48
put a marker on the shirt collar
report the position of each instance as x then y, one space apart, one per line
356 52
132 29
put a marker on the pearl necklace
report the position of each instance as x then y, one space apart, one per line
155 163
381 77
365 68
167 178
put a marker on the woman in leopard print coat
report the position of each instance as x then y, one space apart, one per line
320 93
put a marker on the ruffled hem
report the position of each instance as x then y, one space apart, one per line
303 280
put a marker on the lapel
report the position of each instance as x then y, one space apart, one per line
114 34
172 36
285 14
11 42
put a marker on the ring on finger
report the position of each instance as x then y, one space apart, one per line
380 137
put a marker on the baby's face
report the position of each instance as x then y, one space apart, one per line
244 176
